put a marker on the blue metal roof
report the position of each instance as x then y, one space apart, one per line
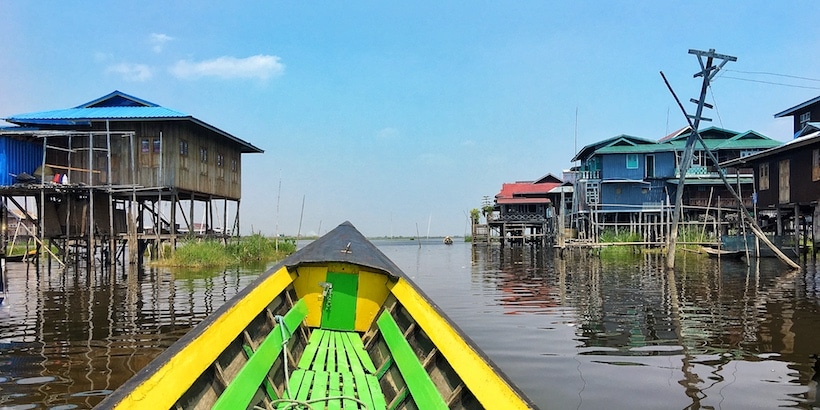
115 106
101 113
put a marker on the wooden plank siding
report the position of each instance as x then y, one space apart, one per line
175 154
803 188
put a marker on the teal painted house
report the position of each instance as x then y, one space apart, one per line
624 176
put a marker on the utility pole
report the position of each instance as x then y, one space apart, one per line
708 72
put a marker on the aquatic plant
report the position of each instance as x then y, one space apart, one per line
207 253
615 236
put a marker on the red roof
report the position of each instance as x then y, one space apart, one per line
525 192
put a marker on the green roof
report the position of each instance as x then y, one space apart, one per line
714 138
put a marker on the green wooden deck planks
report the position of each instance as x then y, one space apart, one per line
335 364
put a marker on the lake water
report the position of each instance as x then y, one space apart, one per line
581 331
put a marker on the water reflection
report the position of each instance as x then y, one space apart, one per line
582 331
68 338
707 335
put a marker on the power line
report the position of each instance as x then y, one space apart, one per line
774 74
771 83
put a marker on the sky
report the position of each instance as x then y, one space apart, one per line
400 117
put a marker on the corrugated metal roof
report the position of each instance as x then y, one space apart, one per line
117 106
810 137
591 149
100 113
636 149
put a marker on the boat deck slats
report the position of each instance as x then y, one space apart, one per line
336 351
335 365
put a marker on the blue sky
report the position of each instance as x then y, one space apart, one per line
401 117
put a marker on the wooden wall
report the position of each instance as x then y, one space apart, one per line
176 154
802 186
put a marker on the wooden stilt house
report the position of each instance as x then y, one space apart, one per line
119 169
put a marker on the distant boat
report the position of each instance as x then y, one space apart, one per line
715 252
335 324
739 245
448 240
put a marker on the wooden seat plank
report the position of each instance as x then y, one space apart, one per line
421 387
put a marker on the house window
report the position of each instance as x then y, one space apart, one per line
220 166
763 184
697 158
149 152
157 145
632 161
805 117
203 161
650 166
234 170
815 165
183 154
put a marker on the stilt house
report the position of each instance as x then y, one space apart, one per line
120 169
787 178
631 180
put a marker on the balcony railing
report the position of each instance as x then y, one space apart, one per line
589 174
518 217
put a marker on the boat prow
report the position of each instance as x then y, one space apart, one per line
337 324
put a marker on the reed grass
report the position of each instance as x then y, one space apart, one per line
210 253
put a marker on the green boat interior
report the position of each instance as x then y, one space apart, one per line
393 365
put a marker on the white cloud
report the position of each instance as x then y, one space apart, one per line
131 72
158 41
259 66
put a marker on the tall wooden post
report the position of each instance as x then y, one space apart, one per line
91 237
133 209
111 244
708 72
173 222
